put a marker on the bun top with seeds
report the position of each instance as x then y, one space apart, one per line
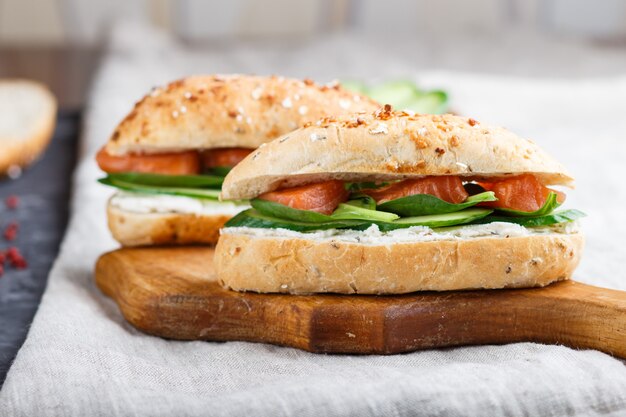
390 145
206 112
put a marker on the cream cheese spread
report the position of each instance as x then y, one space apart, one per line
162 203
373 236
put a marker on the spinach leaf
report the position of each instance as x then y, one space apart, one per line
158 180
352 210
253 218
562 216
202 193
426 204
220 171
281 211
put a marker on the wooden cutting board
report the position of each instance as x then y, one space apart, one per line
172 293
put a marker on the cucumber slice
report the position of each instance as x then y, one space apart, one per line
426 204
352 211
252 218
397 93
437 220
432 102
202 193
561 216
157 180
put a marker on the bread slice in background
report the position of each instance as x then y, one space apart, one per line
27 120
146 229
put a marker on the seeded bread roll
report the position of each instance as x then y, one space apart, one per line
388 145
204 112
270 264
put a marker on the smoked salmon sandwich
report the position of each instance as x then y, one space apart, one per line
170 154
396 202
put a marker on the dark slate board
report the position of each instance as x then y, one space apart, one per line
44 192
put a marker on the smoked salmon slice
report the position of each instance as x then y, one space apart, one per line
179 163
448 188
522 193
223 157
322 197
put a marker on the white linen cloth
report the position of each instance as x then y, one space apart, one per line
82 359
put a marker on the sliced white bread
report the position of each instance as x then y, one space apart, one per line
27 120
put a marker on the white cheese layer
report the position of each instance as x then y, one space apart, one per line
162 203
373 236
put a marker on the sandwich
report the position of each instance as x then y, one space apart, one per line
169 155
395 202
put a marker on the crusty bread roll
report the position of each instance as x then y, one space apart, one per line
27 120
224 111
303 265
390 145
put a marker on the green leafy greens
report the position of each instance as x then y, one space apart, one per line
202 193
561 216
403 95
361 212
423 204
158 180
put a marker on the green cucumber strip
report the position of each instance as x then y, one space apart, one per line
352 212
426 204
432 102
562 216
253 218
403 95
398 93
202 193
281 211
437 220
158 180
548 207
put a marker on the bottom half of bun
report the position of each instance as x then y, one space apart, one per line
145 229
249 262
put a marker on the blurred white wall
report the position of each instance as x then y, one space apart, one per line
57 22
